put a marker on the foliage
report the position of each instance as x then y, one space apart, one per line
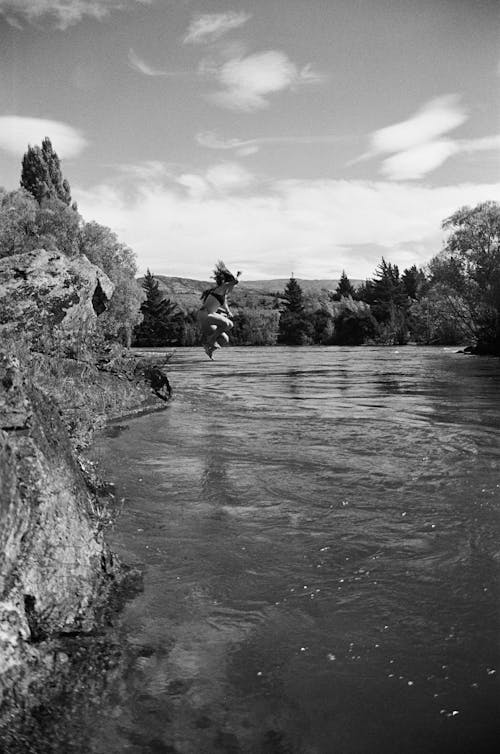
295 329
322 326
389 303
353 323
255 327
433 320
414 282
162 322
294 297
467 272
41 174
25 225
101 246
190 332
344 288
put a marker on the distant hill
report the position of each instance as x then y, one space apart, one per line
186 292
308 286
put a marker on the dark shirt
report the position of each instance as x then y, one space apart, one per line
220 299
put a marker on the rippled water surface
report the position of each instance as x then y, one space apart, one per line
319 533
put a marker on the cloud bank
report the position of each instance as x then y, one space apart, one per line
16 133
180 224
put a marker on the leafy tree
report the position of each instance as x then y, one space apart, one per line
432 322
322 326
41 174
17 222
255 327
162 321
294 327
101 246
25 225
190 332
353 322
344 288
467 272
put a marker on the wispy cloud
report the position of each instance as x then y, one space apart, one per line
62 13
247 82
415 163
146 171
243 147
17 132
270 228
416 145
211 26
433 119
481 144
141 66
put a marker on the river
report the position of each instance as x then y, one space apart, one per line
319 534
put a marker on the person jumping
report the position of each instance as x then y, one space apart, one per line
215 317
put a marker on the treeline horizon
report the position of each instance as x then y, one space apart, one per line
454 299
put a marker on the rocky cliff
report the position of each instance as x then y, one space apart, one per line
57 575
54 566
49 296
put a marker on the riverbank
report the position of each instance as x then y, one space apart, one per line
60 585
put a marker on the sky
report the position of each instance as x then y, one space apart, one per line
285 137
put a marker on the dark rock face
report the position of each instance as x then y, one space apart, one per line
45 293
54 567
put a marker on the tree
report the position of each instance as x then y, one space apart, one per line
322 326
414 282
25 225
389 303
294 297
467 272
162 321
255 327
294 328
353 322
101 246
432 322
41 174
17 222
344 288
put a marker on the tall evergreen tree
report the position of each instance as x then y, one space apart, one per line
162 319
344 288
387 290
41 174
294 297
294 327
414 282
